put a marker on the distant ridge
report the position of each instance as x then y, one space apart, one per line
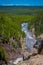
20 5
21 10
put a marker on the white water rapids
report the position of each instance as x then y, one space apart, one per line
30 40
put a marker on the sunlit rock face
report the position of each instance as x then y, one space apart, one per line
30 40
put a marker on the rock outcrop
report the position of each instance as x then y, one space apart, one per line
35 60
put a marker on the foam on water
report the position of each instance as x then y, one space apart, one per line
30 41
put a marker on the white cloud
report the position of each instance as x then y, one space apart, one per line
16 4
7 4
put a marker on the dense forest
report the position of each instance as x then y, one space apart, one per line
11 20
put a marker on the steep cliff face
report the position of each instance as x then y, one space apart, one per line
12 53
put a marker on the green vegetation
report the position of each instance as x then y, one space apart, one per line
11 25
11 20
21 10
3 54
37 23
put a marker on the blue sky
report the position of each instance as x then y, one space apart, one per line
22 2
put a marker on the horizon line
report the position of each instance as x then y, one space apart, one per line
19 5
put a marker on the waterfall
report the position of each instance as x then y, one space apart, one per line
30 40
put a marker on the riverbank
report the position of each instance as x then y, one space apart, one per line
34 60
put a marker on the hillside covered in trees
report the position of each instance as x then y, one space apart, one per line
11 25
11 19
